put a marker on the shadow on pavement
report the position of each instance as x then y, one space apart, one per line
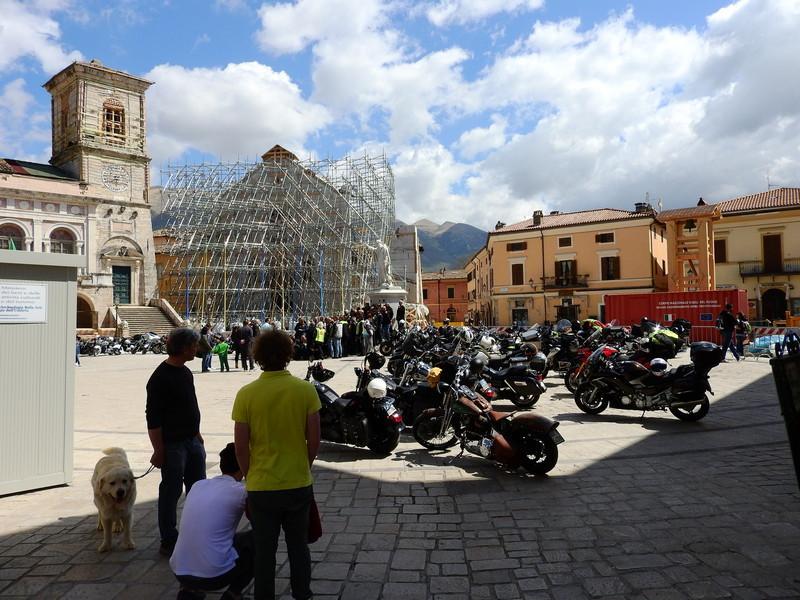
708 509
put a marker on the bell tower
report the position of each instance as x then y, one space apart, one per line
99 129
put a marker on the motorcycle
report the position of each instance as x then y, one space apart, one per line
519 438
365 418
518 383
629 385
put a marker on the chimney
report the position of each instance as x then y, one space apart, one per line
643 207
537 218
701 202
499 225
555 212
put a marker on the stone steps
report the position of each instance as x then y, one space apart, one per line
142 319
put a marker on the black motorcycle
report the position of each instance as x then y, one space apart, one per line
627 384
518 383
359 418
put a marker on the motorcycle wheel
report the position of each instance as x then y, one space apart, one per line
384 446
156 349
539 454
570 378
385 348
590 400
426 431
524 401
691 413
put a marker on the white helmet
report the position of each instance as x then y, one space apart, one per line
486 342
376 388
466 334
658 366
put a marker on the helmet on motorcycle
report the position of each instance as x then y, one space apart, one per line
658 366
375 360
466 333
477 364
486 342
376 388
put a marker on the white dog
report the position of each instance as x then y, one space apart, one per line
114 494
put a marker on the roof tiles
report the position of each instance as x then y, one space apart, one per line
773 199
583 217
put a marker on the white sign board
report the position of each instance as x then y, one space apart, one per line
23 302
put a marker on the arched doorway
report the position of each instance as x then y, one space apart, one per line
11 237
773 304
62 241
85 315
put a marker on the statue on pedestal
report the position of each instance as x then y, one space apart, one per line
384 263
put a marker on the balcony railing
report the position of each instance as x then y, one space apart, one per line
757 267
565 282
12 243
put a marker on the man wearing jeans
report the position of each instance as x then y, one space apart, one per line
277 435
727 323
173 424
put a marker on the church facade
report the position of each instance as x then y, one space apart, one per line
92 197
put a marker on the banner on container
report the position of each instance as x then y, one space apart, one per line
23 302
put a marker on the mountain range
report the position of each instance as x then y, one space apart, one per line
448 245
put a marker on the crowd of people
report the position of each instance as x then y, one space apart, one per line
355 333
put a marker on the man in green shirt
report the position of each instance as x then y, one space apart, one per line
277 436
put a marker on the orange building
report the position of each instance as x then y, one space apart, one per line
445 294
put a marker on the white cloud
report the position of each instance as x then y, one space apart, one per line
483 139
362 67
632 108
446 12
28 29
240 110
290 27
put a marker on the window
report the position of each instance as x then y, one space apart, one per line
114 122
564 242
516 246
451 292
604 238
566 272
62 242
609 267
721 251
517 274
11 237
424 293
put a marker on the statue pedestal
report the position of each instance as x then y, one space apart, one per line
390 294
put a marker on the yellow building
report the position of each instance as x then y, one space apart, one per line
479 298
561 265
757 248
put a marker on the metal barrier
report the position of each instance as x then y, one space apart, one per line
706 333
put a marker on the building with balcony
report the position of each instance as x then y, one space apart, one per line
756 245
92 199
445 294
561 265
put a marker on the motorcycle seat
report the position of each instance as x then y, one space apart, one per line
512 370
496 415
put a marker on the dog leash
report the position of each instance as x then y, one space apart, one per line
150 470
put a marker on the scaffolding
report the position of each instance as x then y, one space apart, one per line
282 238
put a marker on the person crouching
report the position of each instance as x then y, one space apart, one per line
209 553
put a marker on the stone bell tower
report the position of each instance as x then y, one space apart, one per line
99 137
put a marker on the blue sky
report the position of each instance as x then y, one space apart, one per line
487 109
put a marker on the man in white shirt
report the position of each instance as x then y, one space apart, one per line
209 554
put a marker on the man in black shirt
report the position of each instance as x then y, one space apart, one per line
727 322
173 424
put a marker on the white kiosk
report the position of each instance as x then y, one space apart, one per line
37 372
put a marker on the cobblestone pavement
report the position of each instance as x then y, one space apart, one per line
649 508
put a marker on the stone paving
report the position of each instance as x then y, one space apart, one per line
649 508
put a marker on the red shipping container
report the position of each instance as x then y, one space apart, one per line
701 308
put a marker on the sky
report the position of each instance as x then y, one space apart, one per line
486 109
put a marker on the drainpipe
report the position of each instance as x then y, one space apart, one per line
544 296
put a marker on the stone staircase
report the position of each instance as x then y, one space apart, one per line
142 319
